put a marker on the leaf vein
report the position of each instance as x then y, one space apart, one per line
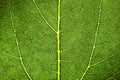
94 43
43 16
17 44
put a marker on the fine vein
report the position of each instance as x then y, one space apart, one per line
113 76
94 44
9 76
103 60
58 40
43 16
10 55
18 47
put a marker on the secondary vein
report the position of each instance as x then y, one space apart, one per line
43 16
94 43
18 47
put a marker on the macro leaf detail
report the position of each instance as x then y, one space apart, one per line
59 40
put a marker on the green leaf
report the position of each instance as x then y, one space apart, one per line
59 40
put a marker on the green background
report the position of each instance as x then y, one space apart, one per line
38 42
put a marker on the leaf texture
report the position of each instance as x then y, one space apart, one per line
59 40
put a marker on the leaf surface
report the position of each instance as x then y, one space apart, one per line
89 39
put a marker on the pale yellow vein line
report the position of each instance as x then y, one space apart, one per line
94 44
18 48
43 16
58 41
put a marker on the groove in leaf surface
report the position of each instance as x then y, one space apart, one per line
59 40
